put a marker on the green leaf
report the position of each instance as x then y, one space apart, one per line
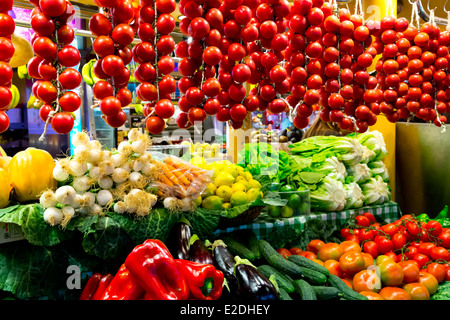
203 221
30 218
311 177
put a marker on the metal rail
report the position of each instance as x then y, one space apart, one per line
426 17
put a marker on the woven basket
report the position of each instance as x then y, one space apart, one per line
244 218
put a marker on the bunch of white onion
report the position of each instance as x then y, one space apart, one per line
97 180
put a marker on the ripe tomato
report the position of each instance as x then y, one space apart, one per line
6 49
333 267
398 240
53 8
391 273
369 216
372 295
45 48
410 271
429 281
362 220
394 293
284 252
70 101
102 89
421 259
390 229
371 248
366 235
70 78
44 112
117 120
196 115
155 125
110 106
330 250
42 25
69 56
351 262
315 245
100 25
440 253
112 65
238 112
308 254
425 248
417 291
295 250
434 227
46 92
366 280
383 244
347 246
4 122
7 25
62 122
437 270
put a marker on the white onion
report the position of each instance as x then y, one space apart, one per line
96 209
68 212
95 173
93 155
139 146
138 165
53 216
48 199
118 159
107 167
80 139
120 175
120 207
59 174
81 184
65 195
88 199
105 183
77 168
134 134
104 197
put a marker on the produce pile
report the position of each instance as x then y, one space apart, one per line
340 172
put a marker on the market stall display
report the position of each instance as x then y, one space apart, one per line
284 218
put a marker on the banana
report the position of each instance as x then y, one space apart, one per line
86 73
34 103
22 72
16 97
91 70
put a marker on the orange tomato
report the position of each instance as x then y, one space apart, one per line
366 280
372 295
391 273
368 260
417 291
348 282
429 281
315 245
410 271
333 267
352 262
394 293
437 270
330 250
308 254
349 245
318 261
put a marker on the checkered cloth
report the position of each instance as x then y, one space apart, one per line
263 225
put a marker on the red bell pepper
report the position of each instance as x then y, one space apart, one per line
204 280
102 284
156 271
91 286
123 287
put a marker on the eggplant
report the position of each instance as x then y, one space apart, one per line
252 284
224 260
178 241
198 252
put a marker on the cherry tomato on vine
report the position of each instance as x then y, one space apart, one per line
362 221
62 122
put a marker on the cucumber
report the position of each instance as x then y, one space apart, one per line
267 250
307 263
313 276
327 293
253 243
305 290
238 249
284 295
284 282
347 293
284 266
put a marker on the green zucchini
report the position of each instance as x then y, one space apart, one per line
284 266
327 293
307 263
238 249
284 281
305 290
347 293
313 276
284 295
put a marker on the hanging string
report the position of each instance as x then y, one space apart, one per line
414 13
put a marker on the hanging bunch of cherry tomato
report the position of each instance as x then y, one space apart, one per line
52 67
114 34
155 63
203 24
405 239
413 71
7 27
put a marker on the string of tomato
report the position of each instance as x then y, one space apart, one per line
7 27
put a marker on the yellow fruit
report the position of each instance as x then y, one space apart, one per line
224 179
232 170
226 205
2 152
255 184
240 179
4 162
248 176
198 201
212 203
238 187
209 190
224 192
5 188
31 173
253 194
239 198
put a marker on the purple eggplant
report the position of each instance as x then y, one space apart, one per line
198 252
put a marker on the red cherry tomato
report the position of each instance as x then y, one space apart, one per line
62 122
